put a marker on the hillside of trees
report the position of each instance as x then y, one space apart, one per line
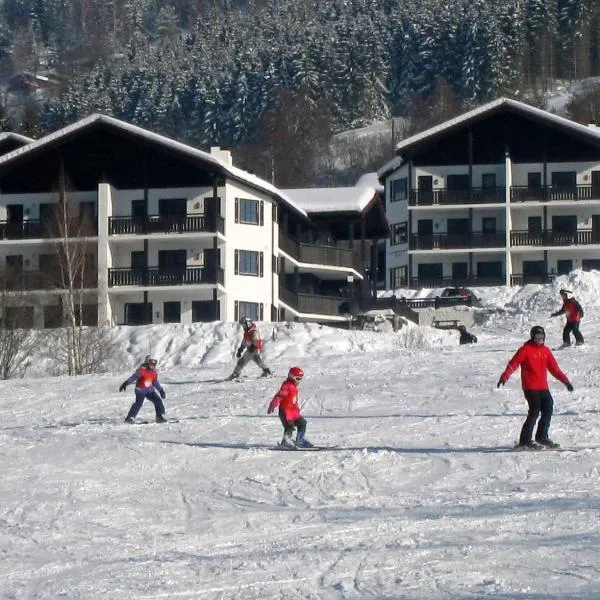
274 79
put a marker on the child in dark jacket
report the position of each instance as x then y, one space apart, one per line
535 360
146 386
465 336
289 410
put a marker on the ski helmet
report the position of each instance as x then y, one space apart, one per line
149 360
246 322
537 330
296 373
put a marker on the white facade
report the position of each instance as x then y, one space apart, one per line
167 254
507 222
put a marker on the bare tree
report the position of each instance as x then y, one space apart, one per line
15 338
80 345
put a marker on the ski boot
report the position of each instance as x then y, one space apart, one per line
161 419
287 442
302 442
548 443
267 372
130 420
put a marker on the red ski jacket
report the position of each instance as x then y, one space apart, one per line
535 361
572 309
252 339
287 400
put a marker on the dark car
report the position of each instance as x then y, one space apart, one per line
461 292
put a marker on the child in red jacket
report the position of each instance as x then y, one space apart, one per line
535 360
289 410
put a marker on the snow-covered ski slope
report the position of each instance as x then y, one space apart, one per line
419 500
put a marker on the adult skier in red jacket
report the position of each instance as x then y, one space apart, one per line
289 410
535 360
572 309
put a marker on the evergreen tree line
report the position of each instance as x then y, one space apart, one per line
249 74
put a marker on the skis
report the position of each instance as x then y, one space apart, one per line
535 447
147 422
283 448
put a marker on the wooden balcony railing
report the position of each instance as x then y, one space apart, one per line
442 241
520 279
549 237
440 282
443 196
153 276
314 303
549 193
28 230
320 254
161 224
43 280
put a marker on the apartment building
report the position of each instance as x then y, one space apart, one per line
163 232
505 194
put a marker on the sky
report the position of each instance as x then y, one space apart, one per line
419 497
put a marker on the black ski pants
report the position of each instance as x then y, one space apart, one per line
541 405
288 426
572 328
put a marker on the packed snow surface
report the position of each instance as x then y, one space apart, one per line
418 498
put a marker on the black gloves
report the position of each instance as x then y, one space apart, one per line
239 352
569 387
123 387
162 393
500 382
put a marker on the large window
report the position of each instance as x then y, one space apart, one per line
248 262
249 212
252 310
399 233
399 189
398 277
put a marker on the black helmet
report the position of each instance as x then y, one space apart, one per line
537 330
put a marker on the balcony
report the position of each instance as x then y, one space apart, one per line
31 230
445 241
549 237
445 196
159 224
314 303
154 276
440 282
42 280
318 254
520 279
549 193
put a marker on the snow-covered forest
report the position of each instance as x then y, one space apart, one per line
226 73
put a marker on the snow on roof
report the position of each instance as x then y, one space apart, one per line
10 135
520 106
370 180
322 200
206 157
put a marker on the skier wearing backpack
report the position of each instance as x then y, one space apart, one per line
289 410
146 386
535 360
572 309
250 349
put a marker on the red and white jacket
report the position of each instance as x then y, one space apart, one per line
535 361
287 400
251 340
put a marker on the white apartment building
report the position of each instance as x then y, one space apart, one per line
504 194
166 233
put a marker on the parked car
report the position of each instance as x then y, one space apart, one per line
461 292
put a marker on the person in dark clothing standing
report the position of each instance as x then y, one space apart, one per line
465 336
535 360
572 309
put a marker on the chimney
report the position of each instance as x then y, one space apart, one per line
224 155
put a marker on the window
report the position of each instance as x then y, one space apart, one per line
398 277
205 310
248 262
249 212
253 310
399 233
399 189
